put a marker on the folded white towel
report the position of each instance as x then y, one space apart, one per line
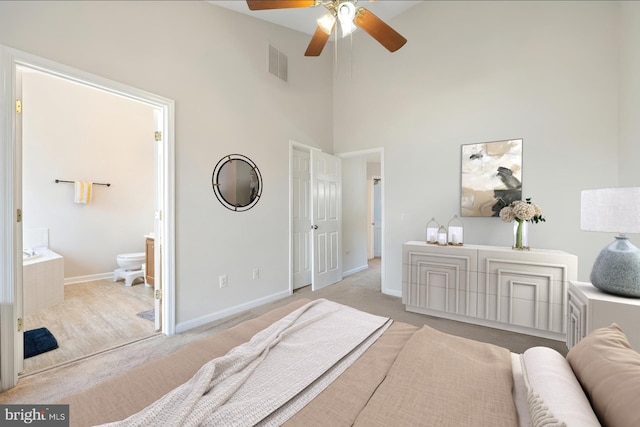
82 191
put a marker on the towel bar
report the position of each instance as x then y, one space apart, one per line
71 182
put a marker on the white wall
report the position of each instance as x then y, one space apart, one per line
630 95
472 72
72 132
374 170
547 72
354 214
212 63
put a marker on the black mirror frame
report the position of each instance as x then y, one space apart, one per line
216 185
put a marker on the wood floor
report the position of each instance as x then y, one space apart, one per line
93 317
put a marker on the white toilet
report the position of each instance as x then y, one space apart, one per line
130 267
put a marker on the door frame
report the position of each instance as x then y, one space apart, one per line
371 188
373 208
364 153
11 182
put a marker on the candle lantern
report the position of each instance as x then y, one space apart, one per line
432 231
442 236
455 231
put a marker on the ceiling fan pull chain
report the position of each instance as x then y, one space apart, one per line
351 55
335 58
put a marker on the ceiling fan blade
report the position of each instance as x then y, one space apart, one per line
376 28
317 43
279 4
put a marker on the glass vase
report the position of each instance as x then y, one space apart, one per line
520 234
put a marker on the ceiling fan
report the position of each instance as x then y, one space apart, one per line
346 13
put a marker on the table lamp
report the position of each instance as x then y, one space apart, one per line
617 267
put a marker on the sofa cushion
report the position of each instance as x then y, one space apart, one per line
609 371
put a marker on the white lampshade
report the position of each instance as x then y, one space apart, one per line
615 210
616 269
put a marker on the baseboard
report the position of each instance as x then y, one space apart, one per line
355 270
88 278
392 292
185 326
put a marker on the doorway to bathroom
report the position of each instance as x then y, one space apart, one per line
72 133
53 203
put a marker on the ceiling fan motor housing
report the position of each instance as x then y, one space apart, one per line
346 10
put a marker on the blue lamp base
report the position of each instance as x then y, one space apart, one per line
617 269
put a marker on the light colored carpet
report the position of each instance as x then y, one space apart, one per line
361 291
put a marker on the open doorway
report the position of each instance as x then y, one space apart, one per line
11 260
363 214
72 132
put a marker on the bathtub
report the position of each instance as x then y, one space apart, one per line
42 279
29 255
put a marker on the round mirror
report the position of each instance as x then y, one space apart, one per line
237 182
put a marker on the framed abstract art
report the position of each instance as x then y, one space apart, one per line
491 177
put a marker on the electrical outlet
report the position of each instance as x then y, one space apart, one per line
223 281
256 274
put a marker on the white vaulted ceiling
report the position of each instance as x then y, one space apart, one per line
304 20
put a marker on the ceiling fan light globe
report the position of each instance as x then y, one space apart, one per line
347 27
327 22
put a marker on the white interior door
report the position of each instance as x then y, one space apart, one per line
157 223
301 217
326 211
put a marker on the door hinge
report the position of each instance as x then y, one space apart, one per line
158 215
158 135
19 215
18 106
19 324
158 294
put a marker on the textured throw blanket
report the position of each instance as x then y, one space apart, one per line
269 378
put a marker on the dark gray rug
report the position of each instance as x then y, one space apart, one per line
38 341
149 314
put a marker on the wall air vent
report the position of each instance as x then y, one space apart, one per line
278 64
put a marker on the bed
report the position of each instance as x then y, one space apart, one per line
319 363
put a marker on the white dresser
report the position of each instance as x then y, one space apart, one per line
590 308
520 291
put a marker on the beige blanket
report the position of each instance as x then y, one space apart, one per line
443 380
340 404
297 356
